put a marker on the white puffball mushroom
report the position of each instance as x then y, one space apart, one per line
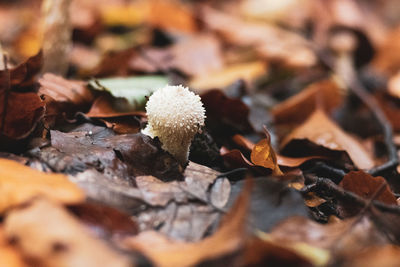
175 115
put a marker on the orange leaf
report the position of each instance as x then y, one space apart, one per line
264 155
50 234
9 256
20 183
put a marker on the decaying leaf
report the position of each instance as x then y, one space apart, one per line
21 183
62 242
225 242
103 107
224 113
322 131
366 186
122 156
20 112
105 221
62 90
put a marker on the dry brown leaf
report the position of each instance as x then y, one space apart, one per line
198 55
322 131
326 94
62 90
47 233
220 79
102 107
224 243
9 256
365 185
21 183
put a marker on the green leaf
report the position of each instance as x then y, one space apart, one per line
130 92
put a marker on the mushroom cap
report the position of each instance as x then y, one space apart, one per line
174 113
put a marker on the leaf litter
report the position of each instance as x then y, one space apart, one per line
297 164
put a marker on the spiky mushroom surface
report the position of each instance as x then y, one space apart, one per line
175 115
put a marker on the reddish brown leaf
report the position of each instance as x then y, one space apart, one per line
21 114
195 55
104 220
366 186
120 122
319 129
223 112
23 75
62 90
102 107
391 108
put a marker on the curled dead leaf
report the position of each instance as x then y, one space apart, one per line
264 155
